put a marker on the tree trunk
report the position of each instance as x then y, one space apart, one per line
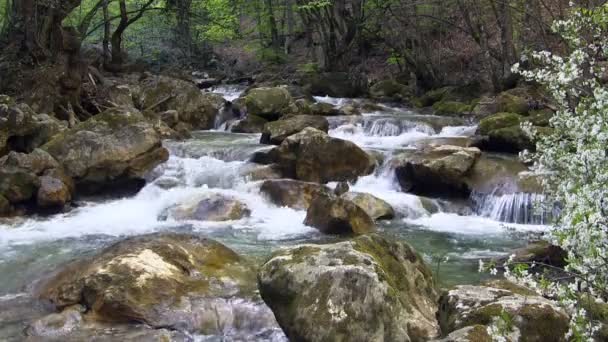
106 32
290 25
183 35
272 23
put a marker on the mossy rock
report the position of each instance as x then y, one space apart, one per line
432 96
277 131
269 103
540 117
366 289
17 185
292 193
510 139
513 104
5 206
536 319
158 279
390 90
451 107
498 121
475 333
251 124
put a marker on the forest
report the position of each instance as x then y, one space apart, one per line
304 170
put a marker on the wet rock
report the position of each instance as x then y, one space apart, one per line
341 188
116 145
334 215
349 110
263 172
35 162
5 206
291 193
365 289
52 193
161 93
277 131
390 90
475 333
375 207
57 325
324 109
170 117
436 170
498 121
174 281
541 252
18 185
251 124
510 139
534 318
269 103
451 107
314 156
210 207
22 130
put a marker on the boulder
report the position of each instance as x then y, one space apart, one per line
170 117
366 289
349 110
291 193
161 93
375 207
331 214
498 121
475 333
164 280
22 130
277 131
540 118
451 107
390 90
533 318
510 139
34 178
210 207
250 124
269 103
436 170
5 206
336 84
263 172
313 156
116 145
52 192
324 109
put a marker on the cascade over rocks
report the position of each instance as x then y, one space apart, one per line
313 156
174 281
534 318
365 289
292 193
277 131
331 214
114 146
436 170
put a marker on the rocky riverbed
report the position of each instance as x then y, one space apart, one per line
309 219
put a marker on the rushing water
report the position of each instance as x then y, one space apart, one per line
216 162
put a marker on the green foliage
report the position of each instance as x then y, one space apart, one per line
309 68
272 56
315 4
222 21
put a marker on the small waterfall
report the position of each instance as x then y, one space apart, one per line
393 127
520 208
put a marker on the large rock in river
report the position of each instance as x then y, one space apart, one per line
210 207
375 207
335 215
277 131
269 103
365 289
116 145
314 156
436 170
292 193
181 282
533 318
